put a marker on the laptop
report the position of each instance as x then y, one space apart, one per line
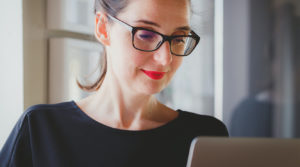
244 152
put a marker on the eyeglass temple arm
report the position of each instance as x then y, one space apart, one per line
121 22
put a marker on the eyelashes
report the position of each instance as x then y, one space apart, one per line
147 35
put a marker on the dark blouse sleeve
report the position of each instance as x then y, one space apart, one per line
209 126
16 151
217 128
222 130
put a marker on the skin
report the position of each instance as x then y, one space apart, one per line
125 99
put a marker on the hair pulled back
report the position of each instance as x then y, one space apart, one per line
113 8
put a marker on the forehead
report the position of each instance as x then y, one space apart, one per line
166 13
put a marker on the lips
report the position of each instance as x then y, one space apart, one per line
154 74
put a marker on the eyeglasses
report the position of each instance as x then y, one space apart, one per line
148 40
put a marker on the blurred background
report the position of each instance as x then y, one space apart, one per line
244 70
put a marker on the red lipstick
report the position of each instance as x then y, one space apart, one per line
154 74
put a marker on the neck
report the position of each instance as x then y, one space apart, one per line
124 106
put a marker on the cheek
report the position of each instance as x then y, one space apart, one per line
126 61
120 47
140 59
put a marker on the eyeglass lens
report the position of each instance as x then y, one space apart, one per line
146 40
149 41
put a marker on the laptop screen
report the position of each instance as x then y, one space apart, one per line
244 152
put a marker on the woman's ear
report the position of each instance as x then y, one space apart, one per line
101 28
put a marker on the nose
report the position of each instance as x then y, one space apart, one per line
163 55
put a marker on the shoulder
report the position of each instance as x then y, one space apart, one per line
33 123
204 123
48 108
203 119
46 116
41 114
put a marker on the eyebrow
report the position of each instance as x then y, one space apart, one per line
147 22
186 28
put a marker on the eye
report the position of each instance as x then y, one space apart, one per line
146 35
179 40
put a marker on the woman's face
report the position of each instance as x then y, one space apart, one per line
134 69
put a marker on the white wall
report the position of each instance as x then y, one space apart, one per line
11 66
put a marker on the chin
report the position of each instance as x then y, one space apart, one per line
151 88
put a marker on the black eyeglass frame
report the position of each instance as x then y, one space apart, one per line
164 37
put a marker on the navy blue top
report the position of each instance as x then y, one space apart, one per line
62 135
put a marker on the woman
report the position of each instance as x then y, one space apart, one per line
122 124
